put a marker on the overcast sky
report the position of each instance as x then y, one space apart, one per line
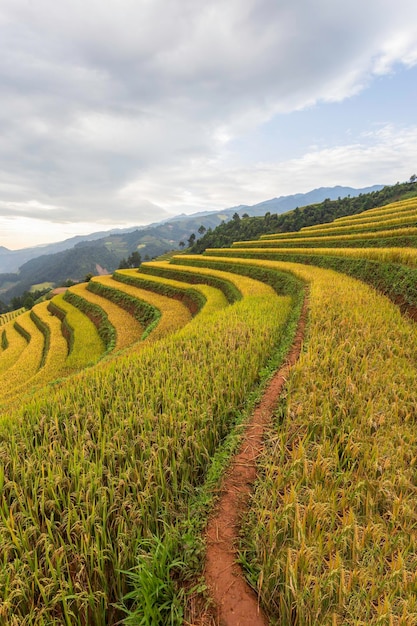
122 112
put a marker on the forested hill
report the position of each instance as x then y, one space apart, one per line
245 228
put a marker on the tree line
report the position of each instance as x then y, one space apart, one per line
246 228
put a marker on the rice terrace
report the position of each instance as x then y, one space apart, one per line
280 373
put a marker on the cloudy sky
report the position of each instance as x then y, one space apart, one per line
123 112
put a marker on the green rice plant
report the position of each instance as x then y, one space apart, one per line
173 314
382 216
366 225
96 314
395 237
249 282
209 299
29 359
66 329
192 297
23 330
90 523
6 317
393 216
4 340
397 282
43 327
128 330
113 457
243 285
144 312
394 208
84 344
404 256
52 363
16 345
167 270
331 535
55 357
154 595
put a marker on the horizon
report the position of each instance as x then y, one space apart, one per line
116 119
134 226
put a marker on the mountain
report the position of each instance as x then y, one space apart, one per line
245 228
287 203
71 259
11 260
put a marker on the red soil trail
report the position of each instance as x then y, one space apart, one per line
236 603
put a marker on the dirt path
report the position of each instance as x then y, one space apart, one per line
236 603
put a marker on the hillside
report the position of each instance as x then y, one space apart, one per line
307 215
126 397
74 258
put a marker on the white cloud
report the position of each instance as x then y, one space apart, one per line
25 232
381 156
127 107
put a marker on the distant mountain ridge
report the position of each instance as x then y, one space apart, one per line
287 203
73 258
11 260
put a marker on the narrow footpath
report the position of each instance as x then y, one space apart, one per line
236 604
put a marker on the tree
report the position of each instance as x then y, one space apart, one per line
27 299
413 178
191 239
133 260
16 303
181 244
236 217
28 302
202 229
123 265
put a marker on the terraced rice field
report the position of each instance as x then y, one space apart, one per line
51 360
166 316
149 425
6 317
28 361
13 344
140 386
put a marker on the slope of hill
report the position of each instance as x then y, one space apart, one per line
103 521
333 471
287 203
12 260
150 241
55 269
328 210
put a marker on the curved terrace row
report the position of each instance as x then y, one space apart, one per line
120 457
